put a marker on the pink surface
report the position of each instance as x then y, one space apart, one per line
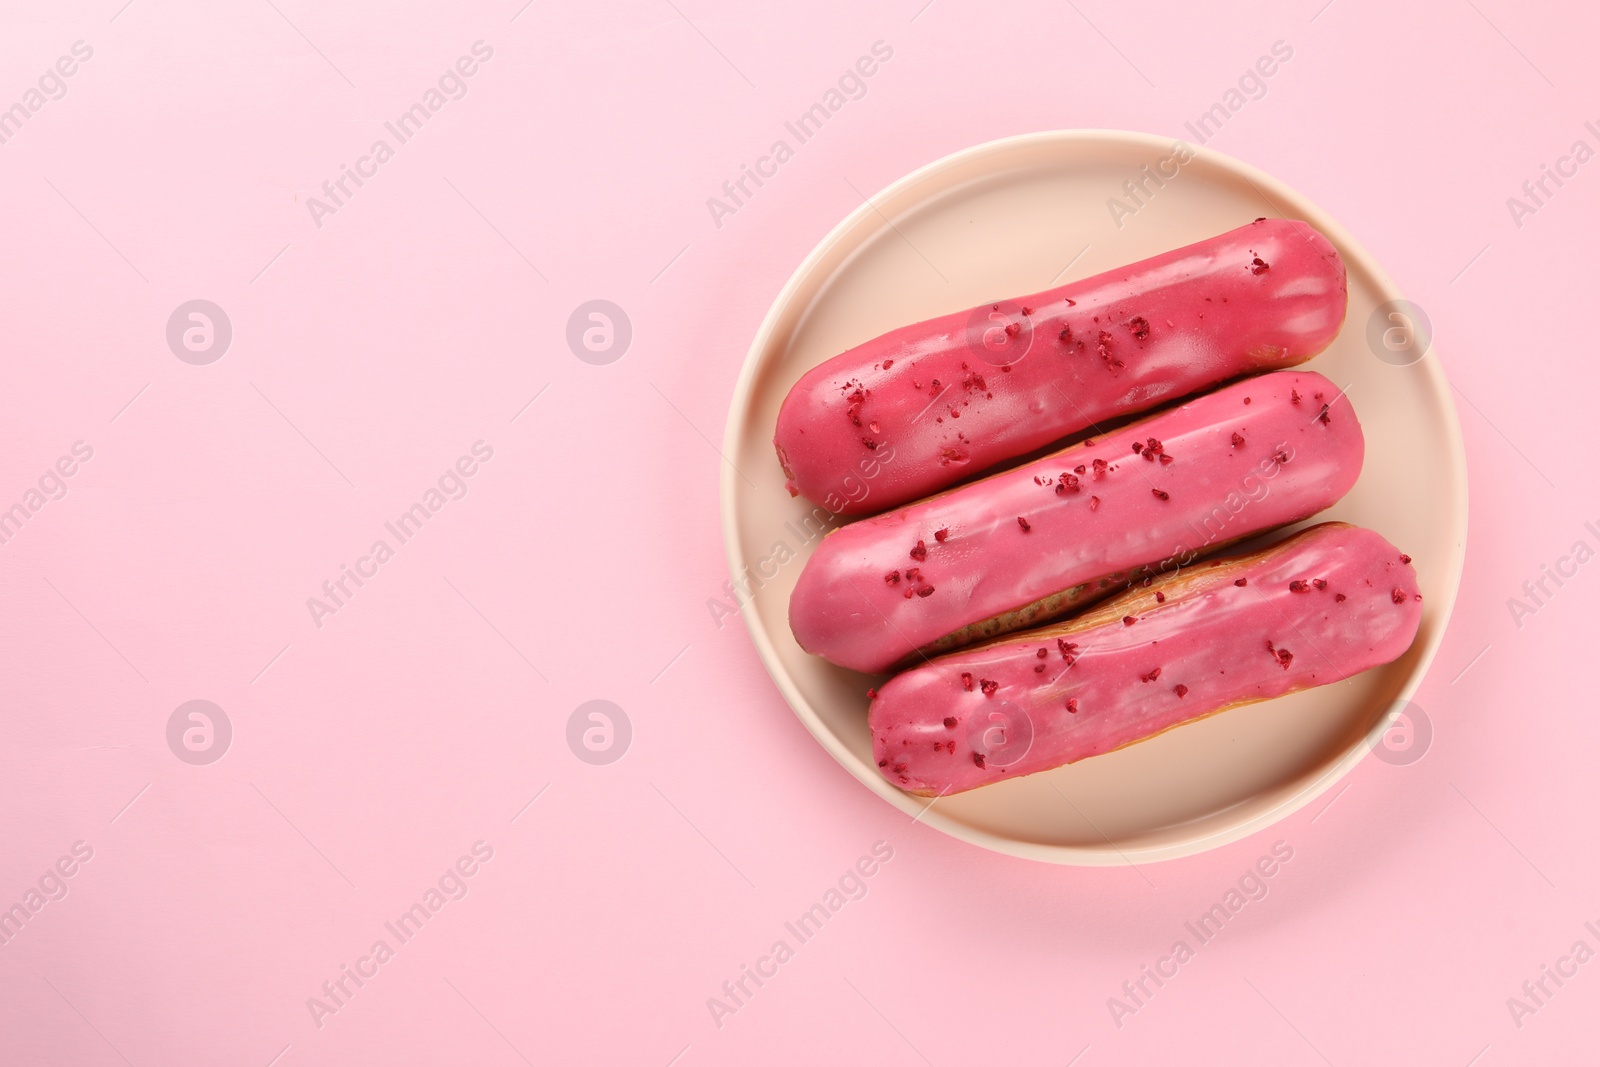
371 754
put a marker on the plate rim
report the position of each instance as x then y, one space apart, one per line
920 808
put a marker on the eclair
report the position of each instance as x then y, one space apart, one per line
930 404
1028 545
1321 606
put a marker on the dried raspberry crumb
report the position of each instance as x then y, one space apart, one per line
883 763
1398 596
1012 329
1039 669
909 593
1137 448
920 552
1072 705
1181 690
977 757
1338 598
913 573
1042 653
1281 456
1066 648
1241 581
1104 349
1238 440
1022 522
1165 458
1322 416
893 577
1128 620
872 694
940 535
949 722
1150 675
1066 335
926 590
1294 396
1079 469
1247 400
1297 586
1094 502
1160 494
1100 466
988 686
1285 657
1320 583
1258 266
888 363
1140 327
1161 598
966 681
1027 311
1404 558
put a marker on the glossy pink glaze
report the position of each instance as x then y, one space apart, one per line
868 430
1224 643
848 608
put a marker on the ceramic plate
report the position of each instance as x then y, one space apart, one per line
1018 216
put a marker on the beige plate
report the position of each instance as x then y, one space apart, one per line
1017 216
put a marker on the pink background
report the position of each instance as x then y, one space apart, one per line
368 354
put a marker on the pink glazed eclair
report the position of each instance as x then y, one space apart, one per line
927 405
1326 604
1030 544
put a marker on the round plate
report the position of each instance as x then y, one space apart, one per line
1019 216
